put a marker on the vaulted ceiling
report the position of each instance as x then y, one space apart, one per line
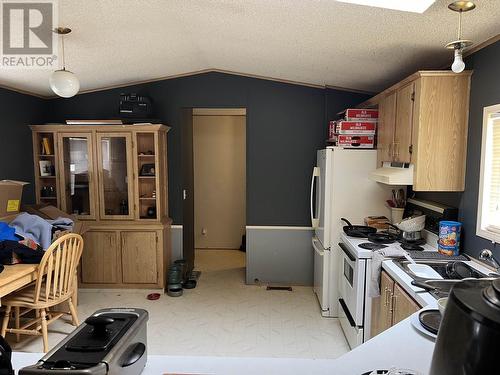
321 42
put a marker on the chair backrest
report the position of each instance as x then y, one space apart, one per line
57 269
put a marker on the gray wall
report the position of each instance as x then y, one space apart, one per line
286 124
16 155
485 91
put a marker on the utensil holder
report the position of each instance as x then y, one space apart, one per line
397 215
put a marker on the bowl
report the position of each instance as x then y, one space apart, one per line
442 304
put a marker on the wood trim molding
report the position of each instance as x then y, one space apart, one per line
219 111
482 45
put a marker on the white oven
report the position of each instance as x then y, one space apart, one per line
352 289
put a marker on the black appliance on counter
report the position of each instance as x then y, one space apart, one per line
111 341
467 342
5 358
133 105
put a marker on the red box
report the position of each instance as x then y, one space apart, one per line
361 114
356 127
354 141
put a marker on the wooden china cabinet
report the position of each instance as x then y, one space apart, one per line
114 178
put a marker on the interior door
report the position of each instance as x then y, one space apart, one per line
385 133
77 179
114 152
404 123
187 188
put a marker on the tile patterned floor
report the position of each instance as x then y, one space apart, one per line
221 317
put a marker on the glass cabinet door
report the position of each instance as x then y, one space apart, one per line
115 175
76 174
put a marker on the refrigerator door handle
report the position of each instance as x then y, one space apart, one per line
319 251
314 220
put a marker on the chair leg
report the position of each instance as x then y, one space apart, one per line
74 315
5 322
17 312
44 331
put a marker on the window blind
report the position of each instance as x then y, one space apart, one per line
493 187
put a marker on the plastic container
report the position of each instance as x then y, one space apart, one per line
449 237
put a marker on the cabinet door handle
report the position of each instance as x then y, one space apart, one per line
386 296
394 299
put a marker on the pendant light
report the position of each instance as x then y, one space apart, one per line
63 82
460 44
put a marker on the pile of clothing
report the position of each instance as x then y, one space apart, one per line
25 239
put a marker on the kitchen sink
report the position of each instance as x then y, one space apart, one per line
437 265
441 287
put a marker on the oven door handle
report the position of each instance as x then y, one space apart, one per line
347 252
347 313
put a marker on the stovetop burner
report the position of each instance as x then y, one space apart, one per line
371 246
382 238
411 246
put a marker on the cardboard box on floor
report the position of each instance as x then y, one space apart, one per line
11 192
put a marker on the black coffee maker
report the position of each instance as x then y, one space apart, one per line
5 358
467 342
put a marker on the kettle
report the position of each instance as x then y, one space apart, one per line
468 337
5 358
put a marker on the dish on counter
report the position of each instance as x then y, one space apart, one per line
415 322
423 270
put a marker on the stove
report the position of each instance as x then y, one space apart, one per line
356 269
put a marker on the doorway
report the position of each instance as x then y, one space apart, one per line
219 169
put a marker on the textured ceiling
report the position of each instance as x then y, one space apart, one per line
321 42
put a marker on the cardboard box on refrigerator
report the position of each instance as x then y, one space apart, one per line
11 192
357 114
354 141
356 127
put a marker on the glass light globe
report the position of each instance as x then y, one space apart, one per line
64 83
458 64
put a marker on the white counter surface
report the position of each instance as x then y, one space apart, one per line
400 346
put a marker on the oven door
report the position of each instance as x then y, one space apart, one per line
352 285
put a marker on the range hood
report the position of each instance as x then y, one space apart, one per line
394 173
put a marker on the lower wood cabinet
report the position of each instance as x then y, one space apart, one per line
102 254
125 257
393 305
139 263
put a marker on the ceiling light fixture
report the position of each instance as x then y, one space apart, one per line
63 82
415 6
460 44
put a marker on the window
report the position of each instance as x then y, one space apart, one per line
488 217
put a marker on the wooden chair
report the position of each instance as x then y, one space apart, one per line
56 283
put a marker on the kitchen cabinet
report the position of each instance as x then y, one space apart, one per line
386 125
113 178
101 257
393 305
427 114
403 305
402 147
139 263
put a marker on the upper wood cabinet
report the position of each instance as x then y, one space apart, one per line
427 116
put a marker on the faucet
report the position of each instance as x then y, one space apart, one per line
487 255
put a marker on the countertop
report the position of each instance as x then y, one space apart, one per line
400 346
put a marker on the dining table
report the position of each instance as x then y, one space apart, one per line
16 276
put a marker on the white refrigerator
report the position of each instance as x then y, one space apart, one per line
340 187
